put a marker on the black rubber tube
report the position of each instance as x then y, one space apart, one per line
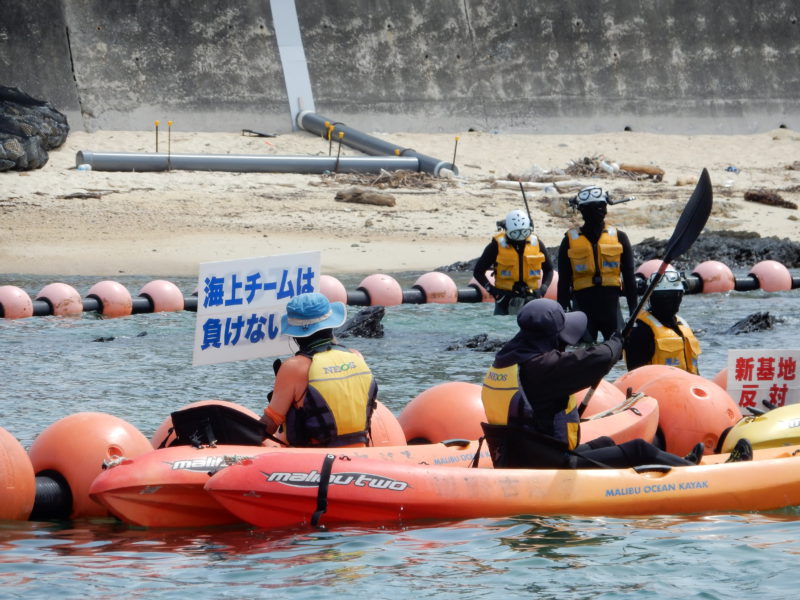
53 498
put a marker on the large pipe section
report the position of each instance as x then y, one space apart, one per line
245 163
330 129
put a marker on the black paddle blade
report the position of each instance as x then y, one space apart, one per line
693 219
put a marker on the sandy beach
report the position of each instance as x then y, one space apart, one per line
61 221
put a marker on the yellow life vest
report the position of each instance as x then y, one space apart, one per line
338 404
509 261
587 259
501 395
672 349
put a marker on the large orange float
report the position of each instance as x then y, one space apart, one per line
17 479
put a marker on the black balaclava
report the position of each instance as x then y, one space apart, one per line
594 219
665 305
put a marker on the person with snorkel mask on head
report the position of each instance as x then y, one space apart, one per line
660 336
595 266
522 268
325 394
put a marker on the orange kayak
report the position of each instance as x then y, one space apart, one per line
277 490
164 488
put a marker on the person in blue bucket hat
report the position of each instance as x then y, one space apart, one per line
325 394
529 394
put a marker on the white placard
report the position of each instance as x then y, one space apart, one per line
756 375
240 304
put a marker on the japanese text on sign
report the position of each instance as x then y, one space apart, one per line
755 376
240 304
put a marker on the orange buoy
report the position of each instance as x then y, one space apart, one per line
17 479
163 436
332 289
605 397
163 295
485 296
115 300
692 409
382 290
772 276
716 277
552 290
721 378
437 287
649 267
76 447
15 303
447 411
636 378
385 429
64 300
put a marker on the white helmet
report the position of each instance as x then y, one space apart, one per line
671 281
518 225
592 193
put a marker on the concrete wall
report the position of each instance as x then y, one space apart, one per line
384 65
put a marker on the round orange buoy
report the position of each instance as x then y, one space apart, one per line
114 298
636 378
452 410
332 289
17 479
164 435
716 277
383 290
721 378
485 296
437 287
772 276
15 303
649 267
76 448
64 300
692 409
552 290
163 295
385 429
606 396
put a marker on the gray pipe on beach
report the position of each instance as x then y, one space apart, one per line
246 163
353 138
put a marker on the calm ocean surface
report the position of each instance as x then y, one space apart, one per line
53 367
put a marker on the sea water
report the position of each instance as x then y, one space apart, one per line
53 367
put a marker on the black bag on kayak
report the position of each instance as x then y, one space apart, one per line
214 424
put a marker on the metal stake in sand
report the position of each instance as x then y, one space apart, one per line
338 152
157 122
329 128
454 152
169 145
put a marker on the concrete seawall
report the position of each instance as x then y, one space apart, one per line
515 66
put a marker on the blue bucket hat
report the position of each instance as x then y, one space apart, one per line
308 313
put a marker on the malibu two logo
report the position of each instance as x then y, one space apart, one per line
312 479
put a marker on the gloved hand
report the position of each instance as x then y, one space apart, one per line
615 343
494 292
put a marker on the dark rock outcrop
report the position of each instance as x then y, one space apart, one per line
479 343
760 321
28 129
366 323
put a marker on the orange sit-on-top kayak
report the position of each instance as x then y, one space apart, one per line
280 490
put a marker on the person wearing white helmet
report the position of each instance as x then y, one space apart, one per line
660 336
522 268
595 267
